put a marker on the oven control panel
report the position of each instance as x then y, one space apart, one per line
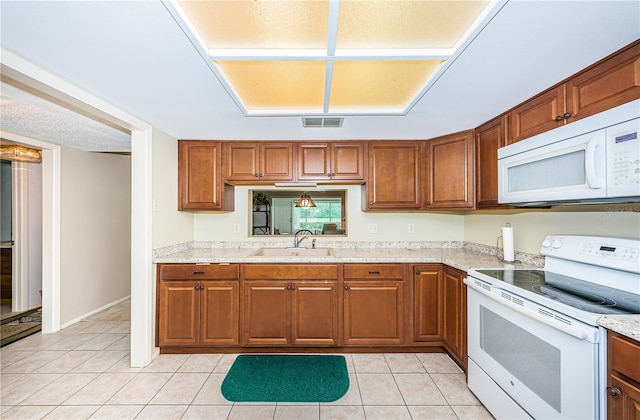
618 253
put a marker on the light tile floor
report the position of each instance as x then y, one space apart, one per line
83 372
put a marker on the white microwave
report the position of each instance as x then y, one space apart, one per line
594 160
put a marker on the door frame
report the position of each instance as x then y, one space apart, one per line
142 288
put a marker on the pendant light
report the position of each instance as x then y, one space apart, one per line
305 201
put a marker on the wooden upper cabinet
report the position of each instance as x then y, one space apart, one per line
347 161
200 185
613 81
259 162
332 161
394 176
488 139
609 83
542 113
450 172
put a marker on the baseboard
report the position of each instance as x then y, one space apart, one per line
95 311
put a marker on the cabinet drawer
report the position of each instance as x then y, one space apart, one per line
197 272
374 271
624 355
291 271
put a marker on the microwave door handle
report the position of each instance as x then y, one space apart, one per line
590 164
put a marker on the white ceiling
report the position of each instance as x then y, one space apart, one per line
134 55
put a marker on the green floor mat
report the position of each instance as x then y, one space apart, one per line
286 378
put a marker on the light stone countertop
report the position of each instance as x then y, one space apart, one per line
462 256
627 325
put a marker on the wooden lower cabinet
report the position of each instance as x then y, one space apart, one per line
373 304
623 385
313 305
454 301
195 313
427 302
290 305
280 313
197 305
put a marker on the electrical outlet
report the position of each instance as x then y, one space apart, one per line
411 228
236 228
372 228
156 206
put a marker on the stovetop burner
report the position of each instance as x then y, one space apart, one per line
577 293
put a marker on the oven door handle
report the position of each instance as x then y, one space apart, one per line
576 332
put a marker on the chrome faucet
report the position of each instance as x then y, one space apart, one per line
297 241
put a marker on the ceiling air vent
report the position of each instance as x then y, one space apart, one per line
322 122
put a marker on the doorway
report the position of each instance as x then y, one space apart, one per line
21 239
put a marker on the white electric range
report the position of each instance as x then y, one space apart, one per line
535 349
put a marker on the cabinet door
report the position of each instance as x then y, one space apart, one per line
242 161
314 313
393 180
219 312
276 162
331 161
267 308
178 313
489 138
199 176
454 309
347 161
538 115
626 404
612 82
450 172
313 161
373 312
427 298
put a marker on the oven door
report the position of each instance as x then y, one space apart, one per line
550 372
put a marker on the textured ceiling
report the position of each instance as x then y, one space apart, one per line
28 114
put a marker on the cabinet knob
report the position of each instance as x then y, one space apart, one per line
346 287
293 287
614 392
563 116
417 272
428 203
256 175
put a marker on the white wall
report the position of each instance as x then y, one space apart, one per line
95 225
391 226
531 226
170 226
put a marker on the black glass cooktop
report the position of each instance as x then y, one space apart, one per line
579 294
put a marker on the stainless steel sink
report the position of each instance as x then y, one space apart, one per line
293 252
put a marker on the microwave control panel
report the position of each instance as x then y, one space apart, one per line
623 155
